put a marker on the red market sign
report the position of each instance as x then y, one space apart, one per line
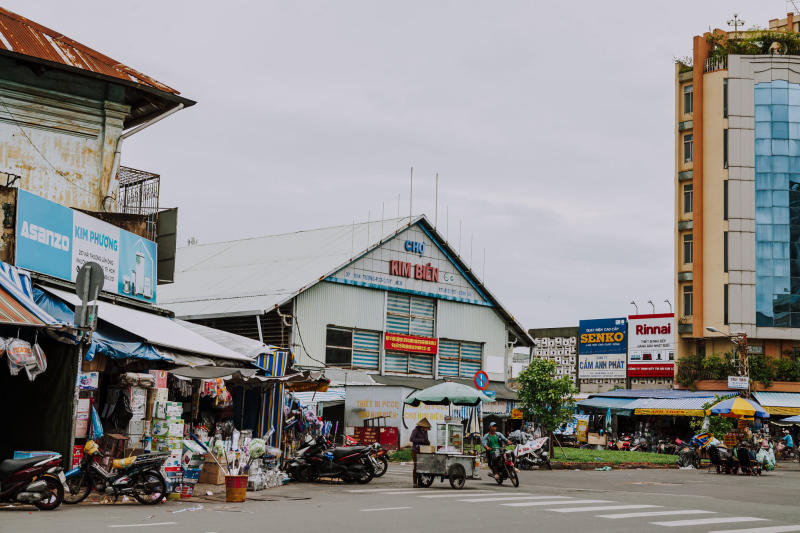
397 342
424 272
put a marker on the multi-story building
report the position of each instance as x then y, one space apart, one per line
737 190
559 345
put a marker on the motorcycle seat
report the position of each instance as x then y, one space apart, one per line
10 466
341 452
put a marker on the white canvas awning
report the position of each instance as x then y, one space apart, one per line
155 329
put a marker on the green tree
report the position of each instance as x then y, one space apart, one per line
544 396
718 425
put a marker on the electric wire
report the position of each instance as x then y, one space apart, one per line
303 344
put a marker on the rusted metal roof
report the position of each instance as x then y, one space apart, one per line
23 36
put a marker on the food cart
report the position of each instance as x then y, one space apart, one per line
449 460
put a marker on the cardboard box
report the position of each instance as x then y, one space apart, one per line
166 410
82 419
161 395
160 378
172 428
427 449
135 427
595 439
89 380
212 474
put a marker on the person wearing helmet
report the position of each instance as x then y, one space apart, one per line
493 440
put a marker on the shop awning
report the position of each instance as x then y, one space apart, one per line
155 329
779 403
238 343
17 306
670 406
617 405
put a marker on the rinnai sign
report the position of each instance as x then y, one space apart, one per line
651 345
397 342
602 348
55 240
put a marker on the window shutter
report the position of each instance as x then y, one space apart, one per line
366 347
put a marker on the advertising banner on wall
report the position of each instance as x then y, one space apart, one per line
602 348
56 240
651 345
410 343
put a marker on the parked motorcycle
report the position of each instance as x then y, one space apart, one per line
533 453
138 476
688 456
378 458
37 480
669 448
640 444
318 459
504 467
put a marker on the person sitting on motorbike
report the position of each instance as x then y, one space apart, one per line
493 441
788 442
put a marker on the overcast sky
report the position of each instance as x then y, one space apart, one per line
550 125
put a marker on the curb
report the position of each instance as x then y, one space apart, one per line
564 465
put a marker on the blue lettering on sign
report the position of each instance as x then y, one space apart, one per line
415 247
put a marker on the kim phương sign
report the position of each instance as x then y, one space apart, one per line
55 240
602 348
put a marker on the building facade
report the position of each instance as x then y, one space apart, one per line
737 191
559 345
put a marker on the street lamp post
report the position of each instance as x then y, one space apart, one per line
739 340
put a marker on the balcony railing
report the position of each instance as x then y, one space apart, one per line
715 63
138 195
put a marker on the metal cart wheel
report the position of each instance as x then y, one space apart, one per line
425 480
458 476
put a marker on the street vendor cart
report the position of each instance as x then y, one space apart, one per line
447 460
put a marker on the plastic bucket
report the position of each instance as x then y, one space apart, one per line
235 488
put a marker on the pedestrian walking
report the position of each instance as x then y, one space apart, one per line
419 437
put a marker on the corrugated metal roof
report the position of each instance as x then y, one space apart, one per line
658 393
253 276
600 402
331 395
670 403
778 399
25 37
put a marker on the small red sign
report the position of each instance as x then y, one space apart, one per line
654 370
481 380
397 342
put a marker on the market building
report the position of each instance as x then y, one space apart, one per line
388 301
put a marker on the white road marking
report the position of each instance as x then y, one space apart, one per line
601 508
144 525
704 521
450 494
563 502
653 513
384 509
512 498
383 490
768 529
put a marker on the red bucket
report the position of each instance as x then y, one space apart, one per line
235 488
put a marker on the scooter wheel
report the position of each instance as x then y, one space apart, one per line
55 494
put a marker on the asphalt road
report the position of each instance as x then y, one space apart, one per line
580 501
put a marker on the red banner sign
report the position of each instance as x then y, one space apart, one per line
397 342
654 370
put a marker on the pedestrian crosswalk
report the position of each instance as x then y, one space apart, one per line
655 516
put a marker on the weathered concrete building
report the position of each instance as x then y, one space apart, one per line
65 110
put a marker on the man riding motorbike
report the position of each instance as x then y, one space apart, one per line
493 440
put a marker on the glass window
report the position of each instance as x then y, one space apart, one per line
688 99
725 98
459 358
688 146
687 198
338 347
688 307
352 348
725 251
687 248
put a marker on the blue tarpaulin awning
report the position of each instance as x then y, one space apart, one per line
616 405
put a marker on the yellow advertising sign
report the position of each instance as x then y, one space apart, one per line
582 428
516 414
670 412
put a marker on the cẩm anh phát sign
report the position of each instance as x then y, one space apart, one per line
55 240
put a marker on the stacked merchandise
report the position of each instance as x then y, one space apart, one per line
191 465
167 429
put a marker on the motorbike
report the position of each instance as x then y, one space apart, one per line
669 448
504 467
138 476
688 456
533 453
722 459
318 459
378 458
36 480
640 444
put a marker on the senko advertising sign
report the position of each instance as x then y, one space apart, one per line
55 240
651 345
602 348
